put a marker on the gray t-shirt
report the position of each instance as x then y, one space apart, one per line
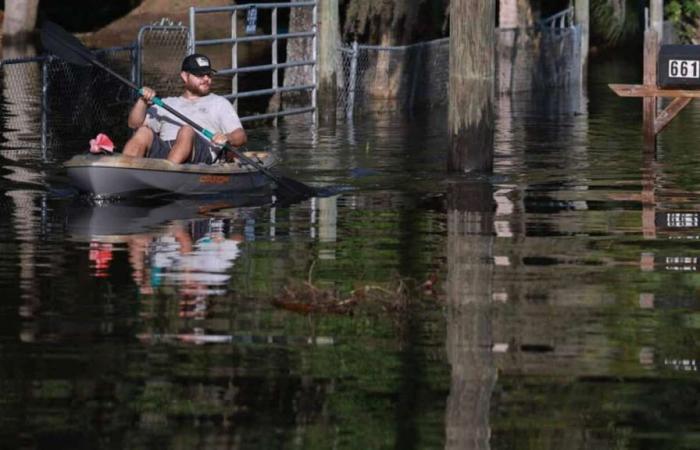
212 112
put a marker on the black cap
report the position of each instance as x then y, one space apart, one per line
197 64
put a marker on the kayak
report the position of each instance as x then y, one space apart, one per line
115 221
119 175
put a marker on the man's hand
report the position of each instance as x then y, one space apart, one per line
137 115
147 94
220 139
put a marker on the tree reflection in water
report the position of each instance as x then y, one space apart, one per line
470 237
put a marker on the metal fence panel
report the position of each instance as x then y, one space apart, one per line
255 94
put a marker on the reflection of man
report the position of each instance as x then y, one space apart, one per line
193 258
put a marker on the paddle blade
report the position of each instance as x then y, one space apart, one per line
292 191
64 45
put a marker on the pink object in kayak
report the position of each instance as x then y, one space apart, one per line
101 143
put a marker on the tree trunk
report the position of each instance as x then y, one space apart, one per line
299 49
582 18
329 70
471 115
508 14
515 14
20 19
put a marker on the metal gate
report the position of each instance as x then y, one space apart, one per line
274 38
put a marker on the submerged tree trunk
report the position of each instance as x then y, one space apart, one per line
20 19
515 14
329 69
299 49
472 71
391 23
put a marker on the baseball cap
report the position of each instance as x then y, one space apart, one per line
197 64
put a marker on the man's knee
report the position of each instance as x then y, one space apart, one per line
186 132
139 142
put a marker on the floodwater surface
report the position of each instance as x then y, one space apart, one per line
553 304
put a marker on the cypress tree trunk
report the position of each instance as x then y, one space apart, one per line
20 19
515 14
471 115
299 49
328 58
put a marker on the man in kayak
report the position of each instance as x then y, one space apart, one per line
160 134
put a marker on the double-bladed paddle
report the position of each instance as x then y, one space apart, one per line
63 44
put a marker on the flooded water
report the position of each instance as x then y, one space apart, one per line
554 304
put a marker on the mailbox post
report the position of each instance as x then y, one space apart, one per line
674 74
669 71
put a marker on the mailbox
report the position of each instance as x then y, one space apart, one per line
679 66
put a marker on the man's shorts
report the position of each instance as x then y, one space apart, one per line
200 152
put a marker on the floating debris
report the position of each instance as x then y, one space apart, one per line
395 296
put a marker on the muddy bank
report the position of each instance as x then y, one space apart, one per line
124 31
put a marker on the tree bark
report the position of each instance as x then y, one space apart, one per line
20 19
515 14
299 49
582 18
471 85
328 58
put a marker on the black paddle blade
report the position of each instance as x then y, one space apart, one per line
64 45
292 191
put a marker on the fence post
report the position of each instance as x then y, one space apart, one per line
275 61
234 58
192 39
314 52
44 105
353 80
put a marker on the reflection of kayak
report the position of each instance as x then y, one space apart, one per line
122 175
110 222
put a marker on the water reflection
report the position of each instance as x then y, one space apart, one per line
21 91
191 257
551 305
470 240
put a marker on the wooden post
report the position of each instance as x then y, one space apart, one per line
328 53
582 19
652 38
656 17
651 49
471 85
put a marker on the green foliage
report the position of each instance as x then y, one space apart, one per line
684 14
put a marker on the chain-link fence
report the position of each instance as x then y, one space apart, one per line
66 104
161 49
84 101
412 76
417 76
62 103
